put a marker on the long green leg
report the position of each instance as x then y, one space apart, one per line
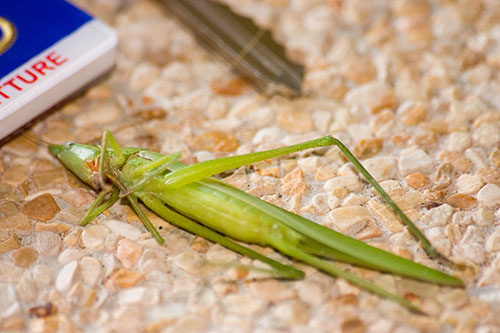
96 208
198 171
105 160
351 278
187 224
147 223
428 247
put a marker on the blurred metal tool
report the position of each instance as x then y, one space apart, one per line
250 51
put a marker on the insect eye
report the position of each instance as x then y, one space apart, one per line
68 144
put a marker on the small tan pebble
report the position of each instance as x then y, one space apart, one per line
100 91
459 141
217 108
453 299
219 254
16 222
232 86
472 245
56 227
126 279
43 275
385 216
124 229
47 243
417 180
26 289
42 208
190 262
484 217
313 292
72 238
412 113
143 75
69 255
139 295
349 219
438 216
461 201
78 197
9 306
294 120
489 195
66 276
457 160
358 69
437 125
468 184
93 237
493 241
25 256
414 161
200 245
99 113
58 136
294 182
373 96
325 172
271 290
15 175
292 312
190 324
495 158
381 167
368 147
349 183
309 164
489 175
11 243
353 325
9 209
476 156
215 142
244 304
49 179
128 252
354 200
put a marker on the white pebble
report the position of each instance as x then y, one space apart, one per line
90 269
93 237
124 229
143 75
139 295
381 167
102 113
266 135
43 275
70 255
66 276
414 161
477 156
9 306
438 216
352 183
47 243
349 219
493 241
489 195
469 184
459 141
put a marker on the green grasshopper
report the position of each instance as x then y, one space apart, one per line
190 198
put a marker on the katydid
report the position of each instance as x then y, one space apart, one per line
189 197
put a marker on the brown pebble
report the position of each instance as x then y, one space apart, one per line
495 158
294 182
9 244
52 227
15 222
215 142
42 310
152 113
368 147
229 87
200 245
462 201
489 175
417 180
124 278
15 175
457 160
353 325
42 208
414 114
468 58
25 256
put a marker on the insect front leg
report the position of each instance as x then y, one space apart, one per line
198 171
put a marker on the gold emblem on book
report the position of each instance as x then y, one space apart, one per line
8 34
